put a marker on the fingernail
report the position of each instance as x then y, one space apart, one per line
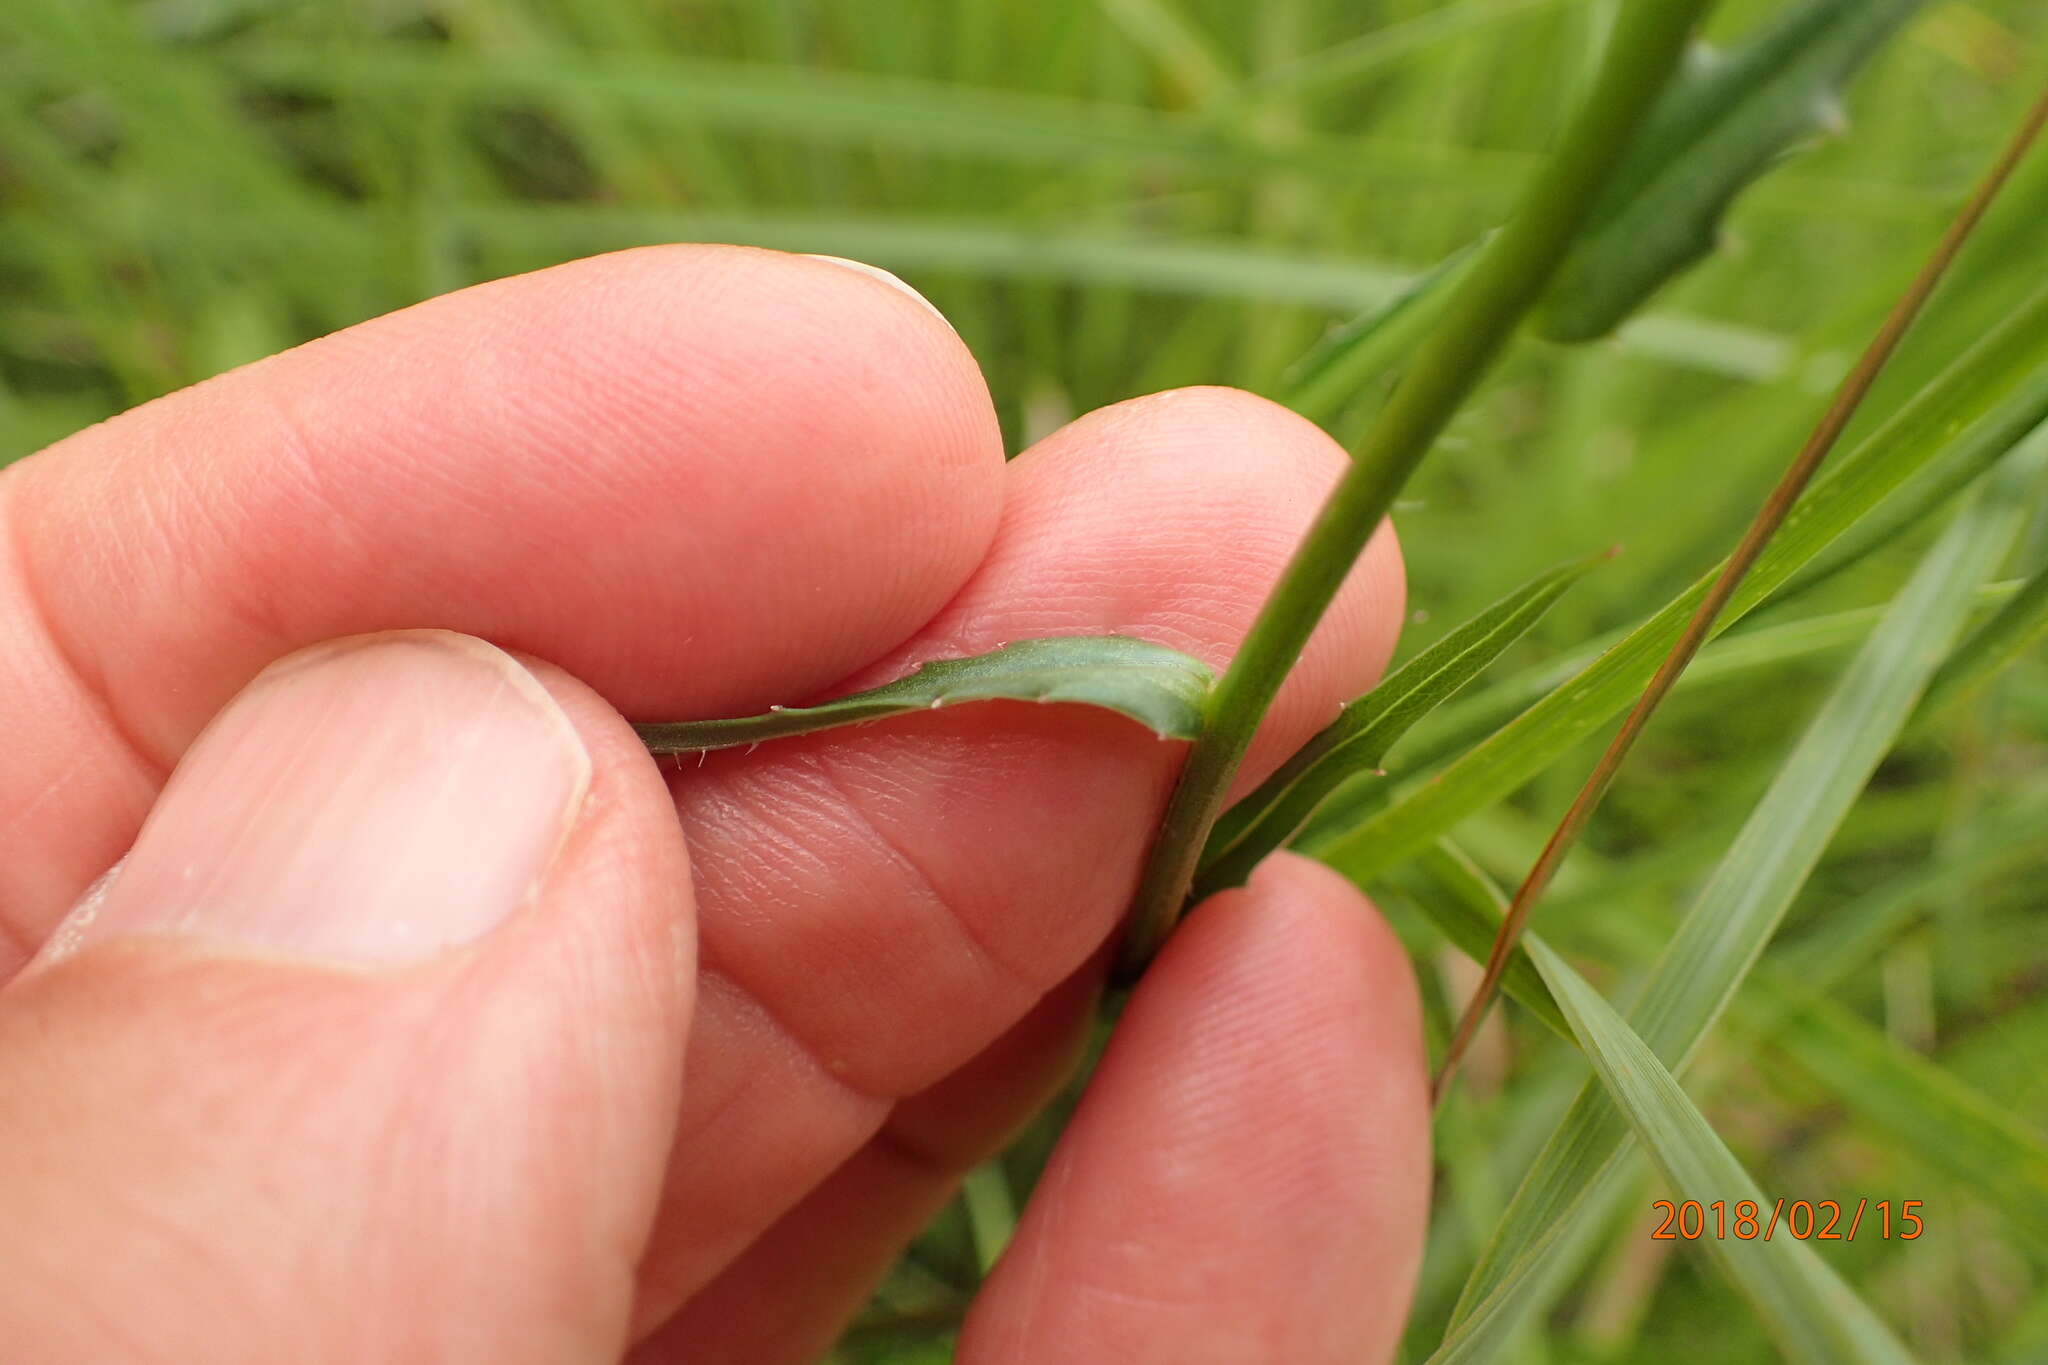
876 272
372 801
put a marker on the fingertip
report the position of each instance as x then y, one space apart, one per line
1289 876
1248 1176
1300 939
1318 922
627 839
1316 901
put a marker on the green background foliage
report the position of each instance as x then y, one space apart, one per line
1109 197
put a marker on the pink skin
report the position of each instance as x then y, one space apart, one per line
695 481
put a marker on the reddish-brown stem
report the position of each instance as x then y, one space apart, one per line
1768 518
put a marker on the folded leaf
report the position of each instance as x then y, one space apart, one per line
1158 687
1717 128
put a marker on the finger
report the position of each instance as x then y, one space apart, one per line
790 1295
370 1049
703 479
1247 1177
880 904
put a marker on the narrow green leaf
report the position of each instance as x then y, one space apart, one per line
2014 629
1182 50
1354 358
1918 499
2000 846
991 1211
843 106
1340 66
1932 1114
1989 398
1947 1123
1466 720
1722 124
1814 1316
1468 907
1742 904
1158 687
1362 733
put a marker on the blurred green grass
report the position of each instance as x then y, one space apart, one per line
1113 196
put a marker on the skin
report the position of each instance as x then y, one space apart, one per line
763 1011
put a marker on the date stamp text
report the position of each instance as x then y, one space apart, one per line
1822 1220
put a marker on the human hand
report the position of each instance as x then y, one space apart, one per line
430 1020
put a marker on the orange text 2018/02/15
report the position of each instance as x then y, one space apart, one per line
1818 1220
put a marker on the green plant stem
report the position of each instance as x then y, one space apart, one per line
1510 276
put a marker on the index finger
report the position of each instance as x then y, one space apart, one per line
702 479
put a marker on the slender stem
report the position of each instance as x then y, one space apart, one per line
1506 282
1768 518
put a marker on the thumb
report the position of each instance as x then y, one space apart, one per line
370 1048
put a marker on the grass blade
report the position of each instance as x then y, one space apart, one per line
1340 66
1814 1316
2000 846
1741 905
1951 1126
1368 726
1919 499
1995 394
1356 357
1945 1122
1728 119
842 107
1467 908
1933 1114
991 1211
1733 657
1158 687
2014 629
1182 51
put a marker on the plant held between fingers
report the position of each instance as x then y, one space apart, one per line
1631 195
